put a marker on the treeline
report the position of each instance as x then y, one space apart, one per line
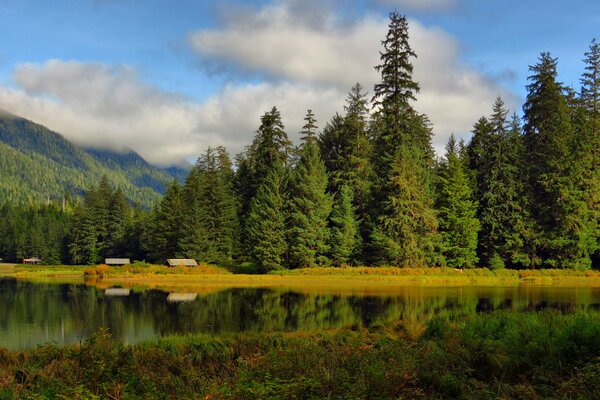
368 189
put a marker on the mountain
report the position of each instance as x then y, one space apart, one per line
37 163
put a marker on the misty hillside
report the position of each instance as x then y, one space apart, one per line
36 164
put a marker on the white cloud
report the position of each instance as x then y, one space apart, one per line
420 5
273 43
306 62
96 105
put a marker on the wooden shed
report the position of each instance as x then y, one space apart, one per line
32 260
181 262
117 261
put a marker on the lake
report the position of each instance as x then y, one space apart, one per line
38 313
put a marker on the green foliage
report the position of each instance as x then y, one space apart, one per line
458 224
38 164
266 226
496 262
34 231
166 228
496 156
210 220
99 225
407 230
558 205
310 206
344 241
498 355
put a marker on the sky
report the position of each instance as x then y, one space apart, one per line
168 78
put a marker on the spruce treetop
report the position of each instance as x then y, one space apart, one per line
356 103
590 79
309 130
397 87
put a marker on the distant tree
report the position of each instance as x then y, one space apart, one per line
210 218
167 227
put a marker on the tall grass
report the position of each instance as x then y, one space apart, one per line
497 355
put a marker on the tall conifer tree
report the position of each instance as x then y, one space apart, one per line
458 223
344 240
407 229
558 204
266 226
310 206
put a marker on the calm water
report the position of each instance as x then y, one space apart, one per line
33 314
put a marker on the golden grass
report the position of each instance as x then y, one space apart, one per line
206 279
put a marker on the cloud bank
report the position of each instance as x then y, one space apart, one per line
299 58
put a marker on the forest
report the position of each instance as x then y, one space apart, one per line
365 188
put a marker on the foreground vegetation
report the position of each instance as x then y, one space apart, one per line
498 355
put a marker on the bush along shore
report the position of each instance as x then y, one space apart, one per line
487 356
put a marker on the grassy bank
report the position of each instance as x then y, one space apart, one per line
498 355
348 279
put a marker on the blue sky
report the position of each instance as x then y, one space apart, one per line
169 78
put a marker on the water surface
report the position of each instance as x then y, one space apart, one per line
36 313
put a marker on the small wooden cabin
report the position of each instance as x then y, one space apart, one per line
32 261
181 262
117 261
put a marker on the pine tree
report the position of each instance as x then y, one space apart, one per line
310 207
458 223
558 205
266 226
407 231
345 237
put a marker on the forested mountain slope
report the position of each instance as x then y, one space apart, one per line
37 164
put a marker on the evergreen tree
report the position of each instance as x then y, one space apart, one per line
458 224
270 149
210 218
558 204
345 236
496 159
266 226
407 231
167 226
590 80
310 207
117 223
406 235
308 133
400 124
587 131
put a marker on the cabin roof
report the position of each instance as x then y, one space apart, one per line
117 261
32 259
186 262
